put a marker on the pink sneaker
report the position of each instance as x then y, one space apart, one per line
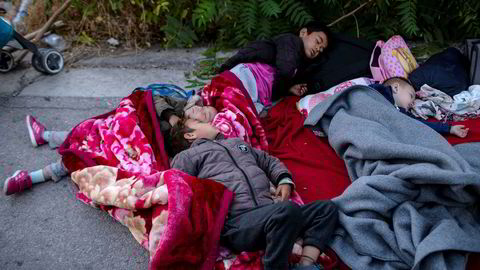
35 131
18 182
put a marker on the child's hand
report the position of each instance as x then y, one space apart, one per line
283 192
298 89
459 130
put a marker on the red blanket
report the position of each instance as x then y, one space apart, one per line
237 116
318 172
128 138
176 217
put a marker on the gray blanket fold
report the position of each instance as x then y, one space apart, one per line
411 201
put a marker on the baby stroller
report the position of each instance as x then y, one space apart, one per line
45 60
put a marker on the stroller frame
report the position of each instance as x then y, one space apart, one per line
45 60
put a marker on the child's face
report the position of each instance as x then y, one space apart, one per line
203 114
313 43
404 95
200 130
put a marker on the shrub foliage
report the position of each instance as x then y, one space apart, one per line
184 23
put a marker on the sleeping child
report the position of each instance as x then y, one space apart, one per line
169 111
254 222
400 92
288 54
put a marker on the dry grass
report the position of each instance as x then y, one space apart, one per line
92 27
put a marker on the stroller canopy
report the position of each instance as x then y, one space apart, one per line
6 32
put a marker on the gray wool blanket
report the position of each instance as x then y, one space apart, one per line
412 201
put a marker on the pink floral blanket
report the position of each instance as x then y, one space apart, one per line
237 116
120 166
128 138
176 217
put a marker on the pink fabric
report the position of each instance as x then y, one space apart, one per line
395 59
176 217
236 115
128 137
118 139
264 75
306 104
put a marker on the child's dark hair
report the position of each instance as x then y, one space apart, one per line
177 140
400 80
317 26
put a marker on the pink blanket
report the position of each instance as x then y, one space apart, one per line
236 115
176 217
120 166
128 138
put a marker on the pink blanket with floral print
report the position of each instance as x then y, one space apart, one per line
119 165
237 116
176 217
128 138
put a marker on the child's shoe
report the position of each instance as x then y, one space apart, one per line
35 131
18 182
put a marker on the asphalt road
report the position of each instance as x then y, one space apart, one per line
46 227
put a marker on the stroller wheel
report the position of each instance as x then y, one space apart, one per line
37 63
51 61
6 61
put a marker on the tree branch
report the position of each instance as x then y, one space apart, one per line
349 14
51 20
41 31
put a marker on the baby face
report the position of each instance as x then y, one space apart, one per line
404 95
203 114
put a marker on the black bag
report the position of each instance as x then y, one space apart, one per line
473 52
446 71
346 58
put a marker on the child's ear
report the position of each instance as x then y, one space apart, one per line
303 32
395 88
190 136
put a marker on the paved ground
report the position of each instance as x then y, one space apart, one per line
46 227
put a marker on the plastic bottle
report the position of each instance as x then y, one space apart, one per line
19 20
55 41
6 5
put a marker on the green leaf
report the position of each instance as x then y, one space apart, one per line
270 8
204 13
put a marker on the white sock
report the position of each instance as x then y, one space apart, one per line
37 176
46 135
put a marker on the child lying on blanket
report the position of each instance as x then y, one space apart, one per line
168 110
292 57
254 221
400 92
